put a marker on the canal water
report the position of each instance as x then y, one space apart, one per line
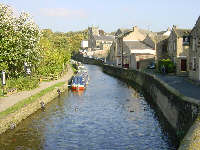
108 115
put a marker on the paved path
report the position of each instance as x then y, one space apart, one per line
181 84
6 102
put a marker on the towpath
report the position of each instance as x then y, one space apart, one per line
6 102
182 84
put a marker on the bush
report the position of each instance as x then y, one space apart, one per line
19 39
168 64
22 83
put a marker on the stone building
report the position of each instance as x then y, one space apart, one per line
123 50
135 53
92 31
114 55
159 42
111 58
178 49
84 44
99 41
128 49
194 52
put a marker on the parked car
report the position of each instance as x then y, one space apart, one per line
101 59
151 66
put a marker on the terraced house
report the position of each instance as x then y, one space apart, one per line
99 42
178 49
194 52
137 54
130 48
114 57
159 42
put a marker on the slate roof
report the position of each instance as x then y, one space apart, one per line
158 37
104 38
160 33
136 45
122 31
127 31
182 32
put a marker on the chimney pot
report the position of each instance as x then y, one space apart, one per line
135 28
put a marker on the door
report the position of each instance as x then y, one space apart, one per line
183 65
138 64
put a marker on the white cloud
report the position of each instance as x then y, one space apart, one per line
62 12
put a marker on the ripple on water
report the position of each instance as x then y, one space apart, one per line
99 118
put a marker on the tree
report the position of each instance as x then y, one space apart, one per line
19 38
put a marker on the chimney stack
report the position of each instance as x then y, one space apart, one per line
174 26
135 28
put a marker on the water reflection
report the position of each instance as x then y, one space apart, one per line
77 92
109 114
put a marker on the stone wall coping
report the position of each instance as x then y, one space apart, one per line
170 88
175 92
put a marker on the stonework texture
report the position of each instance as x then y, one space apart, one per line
194 52
180 111
16 117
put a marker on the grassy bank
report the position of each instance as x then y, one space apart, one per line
29 100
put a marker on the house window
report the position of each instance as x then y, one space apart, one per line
193 44
194 64
186 40
174 46
138 65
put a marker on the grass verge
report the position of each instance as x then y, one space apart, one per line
29 100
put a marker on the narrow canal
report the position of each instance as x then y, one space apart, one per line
108 115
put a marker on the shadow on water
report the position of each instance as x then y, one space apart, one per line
166 128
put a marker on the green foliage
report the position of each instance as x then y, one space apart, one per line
74 40
22 83
54 54
21 41
19 37
56 50
74 67
168 65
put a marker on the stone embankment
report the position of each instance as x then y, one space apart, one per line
10 120
180 111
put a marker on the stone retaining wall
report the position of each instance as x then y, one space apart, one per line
12 119
179 110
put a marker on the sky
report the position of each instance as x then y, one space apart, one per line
109 15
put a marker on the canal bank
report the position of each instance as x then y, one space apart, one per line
109 114
26 103
179 110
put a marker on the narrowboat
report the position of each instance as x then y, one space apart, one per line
78 83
